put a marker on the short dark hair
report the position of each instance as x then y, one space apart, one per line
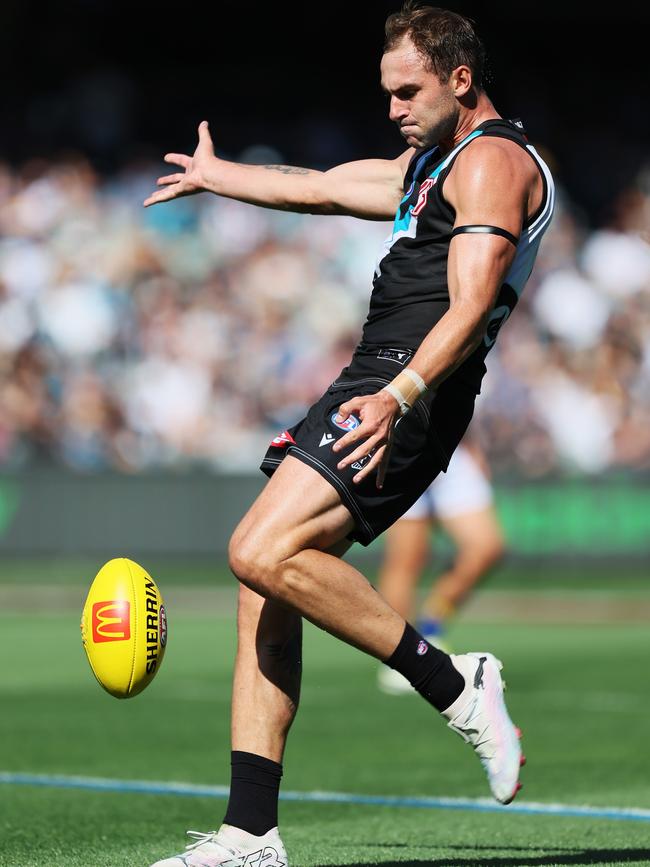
445 39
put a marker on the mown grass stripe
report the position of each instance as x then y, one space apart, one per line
102 784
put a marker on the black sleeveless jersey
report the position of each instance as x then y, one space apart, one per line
410 292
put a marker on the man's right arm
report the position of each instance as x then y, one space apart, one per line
370 189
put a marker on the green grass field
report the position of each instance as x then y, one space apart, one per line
580 693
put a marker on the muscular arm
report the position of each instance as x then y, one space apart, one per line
371 189
489 185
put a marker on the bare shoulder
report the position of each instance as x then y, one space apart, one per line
491 165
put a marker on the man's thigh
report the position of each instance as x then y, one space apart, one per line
297 509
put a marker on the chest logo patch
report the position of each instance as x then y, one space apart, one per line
423 193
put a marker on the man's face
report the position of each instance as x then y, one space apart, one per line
425 110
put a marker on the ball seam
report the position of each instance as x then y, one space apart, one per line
134 651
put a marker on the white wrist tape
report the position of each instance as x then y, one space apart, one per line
406 388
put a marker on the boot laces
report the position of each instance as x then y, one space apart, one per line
210 837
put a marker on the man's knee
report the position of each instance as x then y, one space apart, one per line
250 562
263 566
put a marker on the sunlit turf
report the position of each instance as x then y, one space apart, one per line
76 829
579 693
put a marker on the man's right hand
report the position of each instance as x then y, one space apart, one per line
192 180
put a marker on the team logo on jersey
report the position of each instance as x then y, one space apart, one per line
425 186
422 648
350 423
281 441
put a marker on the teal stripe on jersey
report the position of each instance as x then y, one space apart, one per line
402 223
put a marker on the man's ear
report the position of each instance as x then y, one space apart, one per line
461 81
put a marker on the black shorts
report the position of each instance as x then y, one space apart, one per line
423 442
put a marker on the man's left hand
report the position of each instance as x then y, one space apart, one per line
378 414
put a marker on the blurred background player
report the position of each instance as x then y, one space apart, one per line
461 502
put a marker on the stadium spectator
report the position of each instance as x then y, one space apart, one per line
120 330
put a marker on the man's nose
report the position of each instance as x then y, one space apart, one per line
397 109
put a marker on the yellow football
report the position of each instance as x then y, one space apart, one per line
124 628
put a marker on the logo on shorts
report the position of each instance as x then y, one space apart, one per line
350 423
422 648
399 356
326 440
281 441
360 464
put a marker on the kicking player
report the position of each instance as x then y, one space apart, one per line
461 502
470 200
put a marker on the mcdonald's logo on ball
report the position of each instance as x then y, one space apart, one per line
111 621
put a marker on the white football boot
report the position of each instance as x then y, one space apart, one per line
480 717
230 847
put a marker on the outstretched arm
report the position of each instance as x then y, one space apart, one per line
371 189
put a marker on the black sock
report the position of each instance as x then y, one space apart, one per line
254 790
427 669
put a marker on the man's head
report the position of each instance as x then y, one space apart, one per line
433 60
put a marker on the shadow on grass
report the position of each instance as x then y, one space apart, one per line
561 858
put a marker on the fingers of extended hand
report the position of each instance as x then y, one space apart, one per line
170 179
178 160
161 196
205 139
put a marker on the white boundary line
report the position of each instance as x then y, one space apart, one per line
152 787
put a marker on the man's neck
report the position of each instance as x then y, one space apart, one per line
468 120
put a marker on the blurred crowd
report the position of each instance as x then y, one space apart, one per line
193 332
